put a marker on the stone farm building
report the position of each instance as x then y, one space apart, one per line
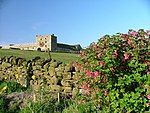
43 42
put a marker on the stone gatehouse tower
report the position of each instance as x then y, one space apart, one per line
44 42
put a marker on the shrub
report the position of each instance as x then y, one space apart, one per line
115 72
11 86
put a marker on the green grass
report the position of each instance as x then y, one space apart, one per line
63 57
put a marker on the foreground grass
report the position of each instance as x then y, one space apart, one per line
63 57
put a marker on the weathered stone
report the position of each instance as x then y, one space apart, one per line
54 64
55 88
54 80
67 75
68 68
75 77
67 89
6 65
52 73
59 74
65 83
56 76
46 66
37 67
75 91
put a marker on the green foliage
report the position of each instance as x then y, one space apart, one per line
46 106
11 86
115 72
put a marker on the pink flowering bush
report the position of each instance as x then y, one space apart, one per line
115 73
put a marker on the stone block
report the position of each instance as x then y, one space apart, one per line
54 80
67 75
55 88
67 89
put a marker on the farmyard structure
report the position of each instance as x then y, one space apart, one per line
45 42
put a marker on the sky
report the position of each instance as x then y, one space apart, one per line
72 21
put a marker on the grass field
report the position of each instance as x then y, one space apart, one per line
63 57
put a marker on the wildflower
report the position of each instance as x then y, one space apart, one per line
101 63
84 57
103 37
105 93
81 52
33 77
132 54
77 68
129 41
83 101
96 73
116 53
126 56
99 55
148 104
86 63
148 31
16 75
4 88
86 91
92 95
134 33
97 49
79 102
148 96
95 45
99 107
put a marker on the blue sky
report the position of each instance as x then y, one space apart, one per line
72 21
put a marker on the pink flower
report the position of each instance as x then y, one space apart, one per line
96 89
88 86
148 96
83 101
103 37
92 95
81 52
86 63
148 31
141 56
148 104
96 73
98 49
86 91
79 102
84 57
129 41
126 56
134 33
94 44
132 54
78 67
101 63
99 55
105 93
116 52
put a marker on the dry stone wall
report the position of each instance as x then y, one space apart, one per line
40 74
